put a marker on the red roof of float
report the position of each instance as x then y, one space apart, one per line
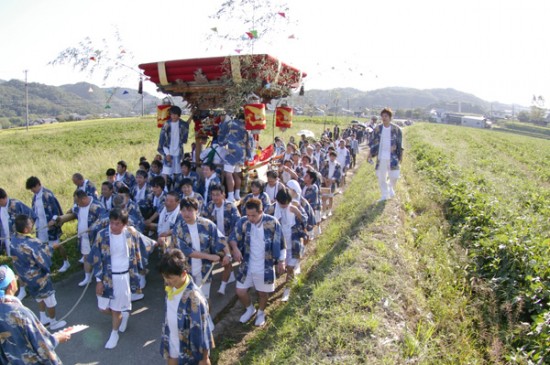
203 78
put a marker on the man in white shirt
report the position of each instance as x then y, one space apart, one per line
106 198
258 244
202 242
173 136
167 218
117 259
386 144
47 209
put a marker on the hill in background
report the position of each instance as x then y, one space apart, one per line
87 101
68 102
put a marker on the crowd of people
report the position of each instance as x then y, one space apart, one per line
195 216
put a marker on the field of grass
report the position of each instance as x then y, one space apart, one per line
495 190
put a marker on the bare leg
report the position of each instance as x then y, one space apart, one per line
117 318
229 182
263 300
243 296
227 269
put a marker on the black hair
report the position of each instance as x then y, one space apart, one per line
142 173
254 203
79 194
21 222
217 187
158 181
122 163
3 194
189 203
123 190
173 263
110 172
117 214
283 196
174 109
108 184
32 182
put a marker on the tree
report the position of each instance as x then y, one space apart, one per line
523 116
536 114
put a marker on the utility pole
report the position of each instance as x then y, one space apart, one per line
27 100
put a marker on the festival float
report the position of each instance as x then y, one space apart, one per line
234 85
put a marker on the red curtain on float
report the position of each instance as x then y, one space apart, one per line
283 117
163 114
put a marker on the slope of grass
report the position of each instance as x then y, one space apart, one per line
372 291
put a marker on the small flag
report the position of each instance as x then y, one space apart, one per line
252 34
291 36
93 58
125 92
238 50
282 14
107 106
215 29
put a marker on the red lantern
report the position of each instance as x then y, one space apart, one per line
163 114
254 117
283 117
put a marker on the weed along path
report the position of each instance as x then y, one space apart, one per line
367 292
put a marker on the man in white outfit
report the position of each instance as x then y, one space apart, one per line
386 144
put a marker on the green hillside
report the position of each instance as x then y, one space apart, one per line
68 102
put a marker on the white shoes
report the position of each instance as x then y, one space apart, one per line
22 293
56 325
250 311
44 319
86 280
65 266
81 260
113 340
260 319
136 297
142 281
286 295
124 322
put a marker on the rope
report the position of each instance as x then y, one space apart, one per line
207 275
76 304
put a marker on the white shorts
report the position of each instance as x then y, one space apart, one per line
289 260
50 301
174 168
205 289
231 168
256 280
122 295
85 247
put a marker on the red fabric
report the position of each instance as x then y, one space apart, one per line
264 156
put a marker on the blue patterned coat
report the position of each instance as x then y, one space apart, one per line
194 327
193 176
95 213
297 231
233 136
230 215
210 241
128 179
51 208
164 139
203 188
15 207
274 245
101 259
313 196
337 171
89 188
32 261
23 339
396 149
264 197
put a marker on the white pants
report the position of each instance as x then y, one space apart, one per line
387 179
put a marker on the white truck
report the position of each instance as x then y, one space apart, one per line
476 122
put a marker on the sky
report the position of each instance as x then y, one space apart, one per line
496 50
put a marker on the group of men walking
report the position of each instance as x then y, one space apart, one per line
190 220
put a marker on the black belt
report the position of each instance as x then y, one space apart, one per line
120 273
